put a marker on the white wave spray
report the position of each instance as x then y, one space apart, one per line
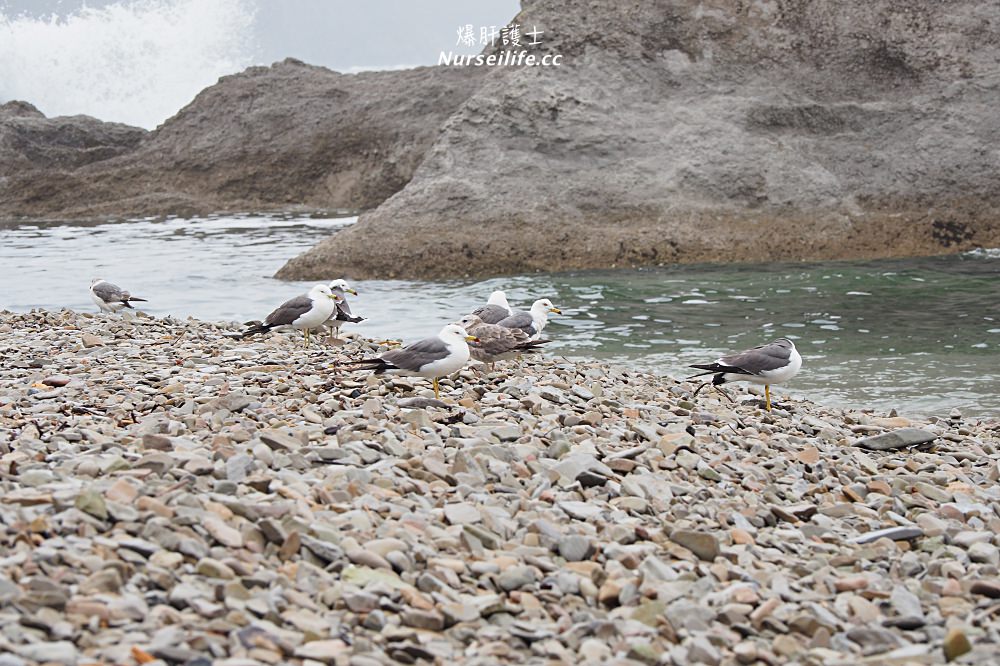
132 62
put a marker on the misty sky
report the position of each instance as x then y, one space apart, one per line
340 34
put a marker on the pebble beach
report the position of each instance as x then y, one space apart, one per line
170 495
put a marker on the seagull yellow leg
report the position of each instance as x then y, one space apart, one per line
307 337
767 396
437 391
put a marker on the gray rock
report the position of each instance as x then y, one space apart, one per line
58 652
768 147
280 441
897 439
106 580
310 156
701 651
461 513
238 467
430 620
234 402
902 533
575 548
516 577
581 510
985 553
905 602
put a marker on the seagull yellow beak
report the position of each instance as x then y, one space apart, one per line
351 291
472 338
334 297
556 310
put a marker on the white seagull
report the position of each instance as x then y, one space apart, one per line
431 358
773 363
342 312
496 308
304 313
534 320
110 297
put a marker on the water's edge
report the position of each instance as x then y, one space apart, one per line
917 335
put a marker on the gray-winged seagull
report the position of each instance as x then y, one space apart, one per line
110 297
773 363
496 308
440 356
304 313
534 320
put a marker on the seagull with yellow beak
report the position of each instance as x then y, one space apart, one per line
534 320
773 363
431 358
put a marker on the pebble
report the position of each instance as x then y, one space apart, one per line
207 500
575 548
955 644
705 546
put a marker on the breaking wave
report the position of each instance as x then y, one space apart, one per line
132 62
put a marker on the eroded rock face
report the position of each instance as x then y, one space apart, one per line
30 141
286 137
679 132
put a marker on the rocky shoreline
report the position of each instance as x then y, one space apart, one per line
173 496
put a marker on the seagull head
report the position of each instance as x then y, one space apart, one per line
470 321
95 281
499 298
342 286
544 306
456 332
321 290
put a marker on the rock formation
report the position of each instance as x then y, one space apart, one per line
286 137
681 131
673 131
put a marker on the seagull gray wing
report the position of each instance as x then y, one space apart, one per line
491 314
110 293
772 356
521 320
417 355
289 311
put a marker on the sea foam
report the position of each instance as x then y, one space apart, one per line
132 62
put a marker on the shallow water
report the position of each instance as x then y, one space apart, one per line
918 335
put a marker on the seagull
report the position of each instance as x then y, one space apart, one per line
110 297
496 308
773 363
497 343
445 353
342 312
533 321
303 312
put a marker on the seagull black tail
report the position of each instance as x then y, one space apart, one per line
376 364
254 330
